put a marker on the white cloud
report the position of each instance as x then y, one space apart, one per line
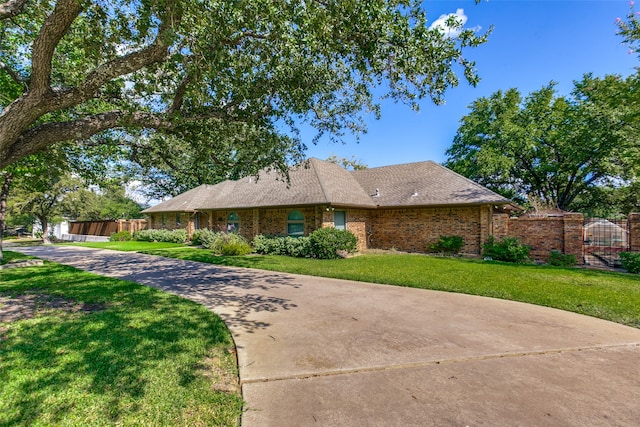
451 31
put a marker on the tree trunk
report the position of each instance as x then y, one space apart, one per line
4 192
44 222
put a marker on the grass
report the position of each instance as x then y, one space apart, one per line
116 353
607 295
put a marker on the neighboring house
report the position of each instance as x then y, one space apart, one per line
405 207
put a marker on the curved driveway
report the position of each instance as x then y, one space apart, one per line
316 351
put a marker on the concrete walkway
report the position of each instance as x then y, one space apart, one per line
324 352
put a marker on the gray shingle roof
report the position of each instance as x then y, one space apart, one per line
188 201
318 182
423 184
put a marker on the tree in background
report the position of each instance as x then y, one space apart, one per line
350 164
118 72
551 150
108 202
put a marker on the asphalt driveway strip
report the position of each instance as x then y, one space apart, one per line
326 352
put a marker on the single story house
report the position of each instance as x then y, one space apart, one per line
406 207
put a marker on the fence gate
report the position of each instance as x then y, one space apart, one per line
604 239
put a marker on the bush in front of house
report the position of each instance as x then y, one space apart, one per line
282 245
120 236
328 243
226 243
509 249
630 261
559 259
203 237
171 236
447 245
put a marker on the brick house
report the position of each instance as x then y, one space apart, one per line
405 207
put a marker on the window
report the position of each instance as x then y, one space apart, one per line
340 220
178 220
196 221
295 224
233 222
164 220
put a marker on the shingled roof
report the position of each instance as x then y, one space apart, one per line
317 182
423 184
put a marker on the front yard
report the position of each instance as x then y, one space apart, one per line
610 296
84 350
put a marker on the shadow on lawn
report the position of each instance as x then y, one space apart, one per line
234 294
105 357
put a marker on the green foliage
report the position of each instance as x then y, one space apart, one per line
327 243
170 236
509 250
249 74
236 249
112 352
447 245
551 150
120 236
203 237
630 261
562 260
221 242
282 245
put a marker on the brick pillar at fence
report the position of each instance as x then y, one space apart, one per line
634 232
573 236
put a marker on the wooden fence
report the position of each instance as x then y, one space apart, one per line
105 228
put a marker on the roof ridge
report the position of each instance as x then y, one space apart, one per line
320 181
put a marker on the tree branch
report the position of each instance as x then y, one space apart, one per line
11 8
14 75
52 31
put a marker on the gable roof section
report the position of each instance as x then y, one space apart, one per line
423 184
317 182
188 201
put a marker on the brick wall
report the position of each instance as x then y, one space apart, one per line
412 230
634 232
544 233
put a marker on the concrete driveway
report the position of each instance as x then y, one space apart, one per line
325 352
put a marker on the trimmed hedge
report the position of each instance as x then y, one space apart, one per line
562 260
171 236
324 243
120 236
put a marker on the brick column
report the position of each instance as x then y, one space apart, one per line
486 212
256 222
634 232
573 238
500 225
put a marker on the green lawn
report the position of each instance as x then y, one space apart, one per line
610 296
102 351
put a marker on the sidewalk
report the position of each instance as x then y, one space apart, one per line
315 351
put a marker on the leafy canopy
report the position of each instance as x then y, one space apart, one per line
251 71
551 150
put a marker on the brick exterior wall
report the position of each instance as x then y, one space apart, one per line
634 232
562 233
411 230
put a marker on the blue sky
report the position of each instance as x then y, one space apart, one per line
533 43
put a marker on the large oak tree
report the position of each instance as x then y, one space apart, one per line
552 150
124 71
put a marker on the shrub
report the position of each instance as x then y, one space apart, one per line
509 250
218 241
203 237
630 261
562 260
447 245
171 236
236 249
120 236
325 243
282 245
